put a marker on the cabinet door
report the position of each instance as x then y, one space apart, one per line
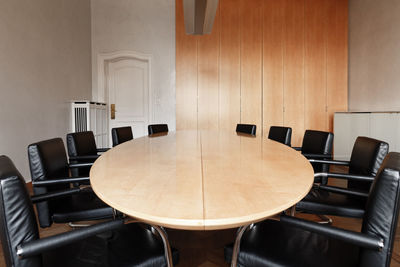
348 126
385 127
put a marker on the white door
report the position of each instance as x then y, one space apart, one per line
128 91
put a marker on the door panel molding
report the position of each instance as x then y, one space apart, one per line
105 61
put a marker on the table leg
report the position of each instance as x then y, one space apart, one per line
236 246
167 247
163 234
293 211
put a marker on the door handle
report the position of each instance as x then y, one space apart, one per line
113 111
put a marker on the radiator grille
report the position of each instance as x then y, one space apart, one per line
80 119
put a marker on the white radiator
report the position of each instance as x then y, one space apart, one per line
90 116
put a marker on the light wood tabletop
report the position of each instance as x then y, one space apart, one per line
201 180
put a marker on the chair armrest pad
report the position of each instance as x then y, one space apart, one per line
88 157
351 177
333 162
296 148
343 191
80 165
60 181
39 246
359 239
318 156
100 150
53 195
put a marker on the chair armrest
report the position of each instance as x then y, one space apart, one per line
60 181
359 239
320 174
354 177
53 195
343 191
333 162
39 246
88 157
318 156
79 165
100 150
296 148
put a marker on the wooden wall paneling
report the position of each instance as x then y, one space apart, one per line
266 62
294 69
251 62
229 71
337 58
208 77
273 40
315 64
186 74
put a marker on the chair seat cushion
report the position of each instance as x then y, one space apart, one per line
322 202
270 242
132 245
80 207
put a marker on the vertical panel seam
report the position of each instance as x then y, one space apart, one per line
262 69
304 65
219 64
347 53
197 81
326 30
305 62
283 43
283 29
240 59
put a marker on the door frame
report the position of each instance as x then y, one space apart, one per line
103 62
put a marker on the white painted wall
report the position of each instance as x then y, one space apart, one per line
45 61
144 26
374 41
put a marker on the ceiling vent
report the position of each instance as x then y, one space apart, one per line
199 16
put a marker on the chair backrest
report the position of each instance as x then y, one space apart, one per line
81 144
318 142
121 135
157 128
280 134
366 159
18 222
47 160
246 129
382 211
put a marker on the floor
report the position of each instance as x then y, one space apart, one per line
205 248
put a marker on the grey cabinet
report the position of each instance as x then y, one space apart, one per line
384 126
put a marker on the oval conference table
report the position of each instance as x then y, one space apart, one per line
201 180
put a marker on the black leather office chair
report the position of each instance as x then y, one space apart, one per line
82 149
121 135
297 242
107 244
317 145
50 174
246 129
366 159
157 128
281 134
